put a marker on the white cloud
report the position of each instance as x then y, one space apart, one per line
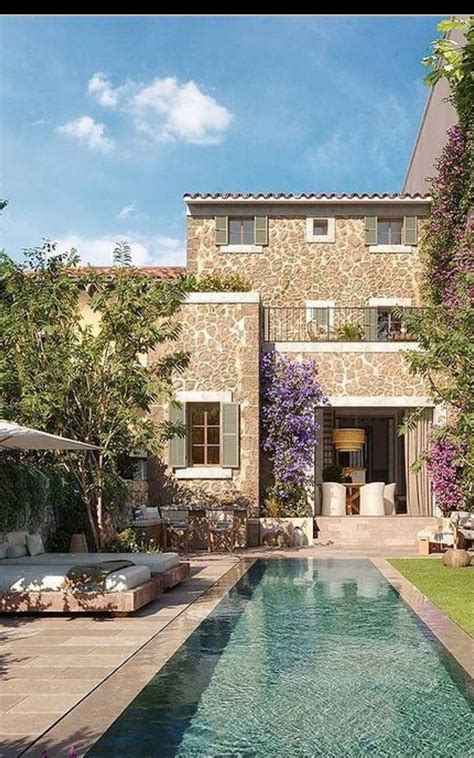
89 132
101 88
157 250
169 110
126 211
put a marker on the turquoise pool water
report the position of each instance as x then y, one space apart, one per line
303 658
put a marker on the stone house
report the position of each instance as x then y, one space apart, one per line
331 275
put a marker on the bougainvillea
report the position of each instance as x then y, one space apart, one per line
446 326
445 469
290 392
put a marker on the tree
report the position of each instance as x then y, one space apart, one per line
96 380
446 326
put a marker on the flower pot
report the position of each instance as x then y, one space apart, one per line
456 558
78 544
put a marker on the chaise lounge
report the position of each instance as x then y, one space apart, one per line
37 581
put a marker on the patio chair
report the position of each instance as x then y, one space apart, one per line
177 531
389 499
227 530
334 499
372 499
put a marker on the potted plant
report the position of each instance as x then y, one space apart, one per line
349 332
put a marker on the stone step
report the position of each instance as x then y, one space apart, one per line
372 531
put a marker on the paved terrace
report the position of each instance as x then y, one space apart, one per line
66 679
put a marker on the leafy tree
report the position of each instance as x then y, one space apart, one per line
98 378
446 327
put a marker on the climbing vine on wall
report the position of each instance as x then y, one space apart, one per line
446 328
290 392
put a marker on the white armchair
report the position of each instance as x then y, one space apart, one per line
372 499
334 499
389 499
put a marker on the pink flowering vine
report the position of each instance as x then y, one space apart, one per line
445 469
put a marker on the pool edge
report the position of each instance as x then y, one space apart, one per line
457 642
100 707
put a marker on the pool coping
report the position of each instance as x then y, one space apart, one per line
457 642
89 719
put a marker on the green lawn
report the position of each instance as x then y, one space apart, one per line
452 589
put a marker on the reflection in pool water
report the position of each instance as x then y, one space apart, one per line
303 658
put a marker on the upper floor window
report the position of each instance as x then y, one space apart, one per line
242 231
242 234
389 231
321 229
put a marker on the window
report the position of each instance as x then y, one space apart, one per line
389 324
389 231
204 434
320 319
320 227
242 231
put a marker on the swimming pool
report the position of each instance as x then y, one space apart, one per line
303 658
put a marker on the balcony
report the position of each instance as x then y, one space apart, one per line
370 324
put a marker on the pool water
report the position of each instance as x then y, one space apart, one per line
303 658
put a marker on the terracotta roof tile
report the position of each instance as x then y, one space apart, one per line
305 196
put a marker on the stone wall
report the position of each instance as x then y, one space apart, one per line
290 270
223 340
367 374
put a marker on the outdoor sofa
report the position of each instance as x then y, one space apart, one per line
32 580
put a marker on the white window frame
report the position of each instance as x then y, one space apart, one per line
402 302
391 248
241 248
330 237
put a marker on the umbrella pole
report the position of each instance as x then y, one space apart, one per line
100 514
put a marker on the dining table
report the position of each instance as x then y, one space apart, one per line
352 497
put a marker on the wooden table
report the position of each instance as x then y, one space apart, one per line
352 497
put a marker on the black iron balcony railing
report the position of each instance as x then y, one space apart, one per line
372 324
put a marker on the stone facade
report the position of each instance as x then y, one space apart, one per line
290 270
223 340
365 374
225 337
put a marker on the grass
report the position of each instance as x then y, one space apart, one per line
451 589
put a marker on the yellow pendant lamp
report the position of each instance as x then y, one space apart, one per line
348 440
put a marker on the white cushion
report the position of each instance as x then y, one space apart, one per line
34 543
156 562
17 538
127 578
17 551
51 578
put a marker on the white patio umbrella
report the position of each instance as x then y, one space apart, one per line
23 438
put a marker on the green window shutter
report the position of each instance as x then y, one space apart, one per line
371 324
222 230
261 230
178 445
371 230
230 435
410 230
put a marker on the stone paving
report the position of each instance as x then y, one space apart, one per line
64 680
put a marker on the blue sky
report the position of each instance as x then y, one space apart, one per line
108 121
